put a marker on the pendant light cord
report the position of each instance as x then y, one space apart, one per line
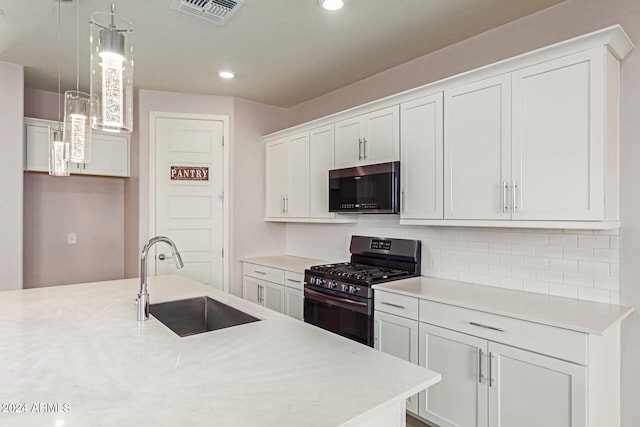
77 46
59 72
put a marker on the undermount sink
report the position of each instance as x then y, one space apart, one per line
196 315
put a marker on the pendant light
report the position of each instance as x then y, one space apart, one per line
77 107
58 149
112 71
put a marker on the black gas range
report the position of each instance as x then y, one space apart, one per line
339 298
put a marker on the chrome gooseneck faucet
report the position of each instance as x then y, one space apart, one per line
143 295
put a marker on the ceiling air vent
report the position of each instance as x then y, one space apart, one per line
218 11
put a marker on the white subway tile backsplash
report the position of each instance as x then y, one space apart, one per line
563 265
593 268
585 254
578 279
571 263
549 251
606 255
593 241
564 240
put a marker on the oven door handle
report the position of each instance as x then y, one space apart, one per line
360 307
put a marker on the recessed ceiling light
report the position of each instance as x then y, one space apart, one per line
226 74
331 4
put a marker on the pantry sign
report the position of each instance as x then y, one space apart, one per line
189 173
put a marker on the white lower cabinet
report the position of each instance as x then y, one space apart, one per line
490 384
279 290
498 370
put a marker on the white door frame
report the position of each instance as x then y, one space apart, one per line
153 116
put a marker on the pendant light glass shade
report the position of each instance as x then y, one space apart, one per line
58 153
77 108
112 72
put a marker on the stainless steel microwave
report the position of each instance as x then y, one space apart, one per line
365 189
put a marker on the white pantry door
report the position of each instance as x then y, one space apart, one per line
189 196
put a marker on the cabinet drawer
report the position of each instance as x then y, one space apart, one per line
294 280
400 305
265 273
549 340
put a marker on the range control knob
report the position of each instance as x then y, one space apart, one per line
353 289
332 285
344 288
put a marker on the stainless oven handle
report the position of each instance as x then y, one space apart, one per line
361 307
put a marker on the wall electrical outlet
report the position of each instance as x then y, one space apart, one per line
72 238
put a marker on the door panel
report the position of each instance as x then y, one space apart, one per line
190 211
321 155
297 204
276 187
422 158
460 399
381 139
558 139
477 149
531 390
347 147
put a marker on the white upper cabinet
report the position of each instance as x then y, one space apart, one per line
321 156
368 139
109 152
421 133
477 147
287 192
564 140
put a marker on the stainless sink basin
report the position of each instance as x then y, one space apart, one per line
196 315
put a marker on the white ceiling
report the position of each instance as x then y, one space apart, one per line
283 51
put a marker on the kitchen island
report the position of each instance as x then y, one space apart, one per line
76 356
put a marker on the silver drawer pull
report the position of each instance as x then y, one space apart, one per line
480 325
259 272
393 305
294 280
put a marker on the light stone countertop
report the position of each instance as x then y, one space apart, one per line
295 264
80 347
577 315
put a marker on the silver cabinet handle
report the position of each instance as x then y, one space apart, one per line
402 201
282 205
359 149
286 205
505 187
514 202
294 281
490 369
260 294
259 272
480 325
364 140
480 376
392 304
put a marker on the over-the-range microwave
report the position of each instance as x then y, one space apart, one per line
365 189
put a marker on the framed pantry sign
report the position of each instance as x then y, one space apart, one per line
189 173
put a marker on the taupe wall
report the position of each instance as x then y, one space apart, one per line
91 207
568 19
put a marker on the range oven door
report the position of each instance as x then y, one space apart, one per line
351 317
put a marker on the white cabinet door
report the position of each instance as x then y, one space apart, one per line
109 156
276 178
397 336
477 149
421 148
381 140
558 138
297 197
294 303
321 160
368 139
348 144
460 399
531 390
267 294
37 148
251 290
273 296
